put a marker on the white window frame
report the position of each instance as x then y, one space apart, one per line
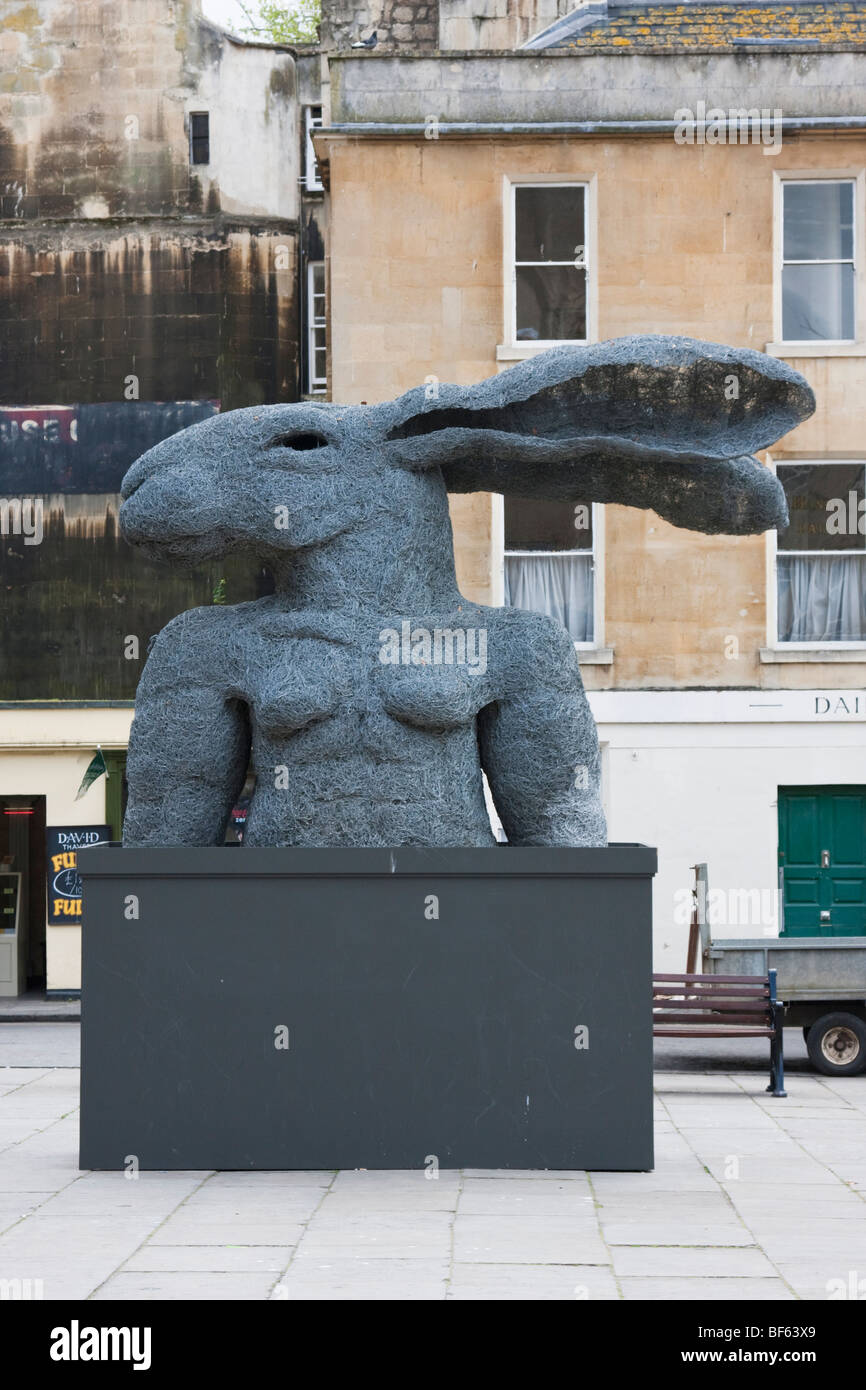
312 181
819 347
317 385
511 349
596 646
774 643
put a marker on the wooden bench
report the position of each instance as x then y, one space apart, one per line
722 1006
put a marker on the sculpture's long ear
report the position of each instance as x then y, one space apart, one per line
657 422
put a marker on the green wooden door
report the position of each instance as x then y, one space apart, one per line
822 859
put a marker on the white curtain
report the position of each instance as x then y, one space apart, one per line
560 585
822 598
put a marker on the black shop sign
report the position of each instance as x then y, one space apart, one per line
64 883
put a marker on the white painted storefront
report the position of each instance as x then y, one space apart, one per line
45 752
696 773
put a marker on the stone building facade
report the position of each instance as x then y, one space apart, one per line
727 689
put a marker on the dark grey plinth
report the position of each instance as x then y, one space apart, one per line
410 1038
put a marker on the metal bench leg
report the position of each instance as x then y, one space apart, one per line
777 1067
777 1051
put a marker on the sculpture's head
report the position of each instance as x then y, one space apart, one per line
652 422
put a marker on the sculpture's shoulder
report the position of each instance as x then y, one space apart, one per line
217 631
530 649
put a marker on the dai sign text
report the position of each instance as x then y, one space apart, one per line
850 703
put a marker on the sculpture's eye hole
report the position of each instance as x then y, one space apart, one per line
298 441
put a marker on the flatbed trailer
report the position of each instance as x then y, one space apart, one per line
820 980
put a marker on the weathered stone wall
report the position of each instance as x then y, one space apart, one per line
426 25
117 255
495 24
94 113
410 25
535 87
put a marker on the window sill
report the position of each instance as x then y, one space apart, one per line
596 656
518 352
816 349
827 655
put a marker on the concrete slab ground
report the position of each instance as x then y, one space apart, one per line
751 1199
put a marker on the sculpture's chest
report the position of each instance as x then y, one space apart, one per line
303 680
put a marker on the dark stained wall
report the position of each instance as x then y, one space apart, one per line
199 311
72 592
130 280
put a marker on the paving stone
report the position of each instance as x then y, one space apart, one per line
254 1206
31 1177
430 1198
406 1179
11 1077
213 1259
666 1289
800 1195
347 1280
271 1182
724 1116
536 1174
482 1196
383 1235
431 1223
778 1171
754 1213
188 1285
182 1230
825 1278
14 1206
693 1261
674 1231
133 1199
692 1178
525 1282
694 1084
789 1239
722 1148
841 1118
702 1208
55 1244
528 1240
26 1103
41 1045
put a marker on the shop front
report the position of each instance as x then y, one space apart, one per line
46 756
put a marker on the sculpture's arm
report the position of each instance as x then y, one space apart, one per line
539 746
190 741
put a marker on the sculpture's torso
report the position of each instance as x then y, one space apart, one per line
350 749
362 729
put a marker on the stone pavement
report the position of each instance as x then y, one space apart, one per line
751 1198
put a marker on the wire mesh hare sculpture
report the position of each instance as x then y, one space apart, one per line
367 694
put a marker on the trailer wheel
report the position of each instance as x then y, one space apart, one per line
837 1044
806 1032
